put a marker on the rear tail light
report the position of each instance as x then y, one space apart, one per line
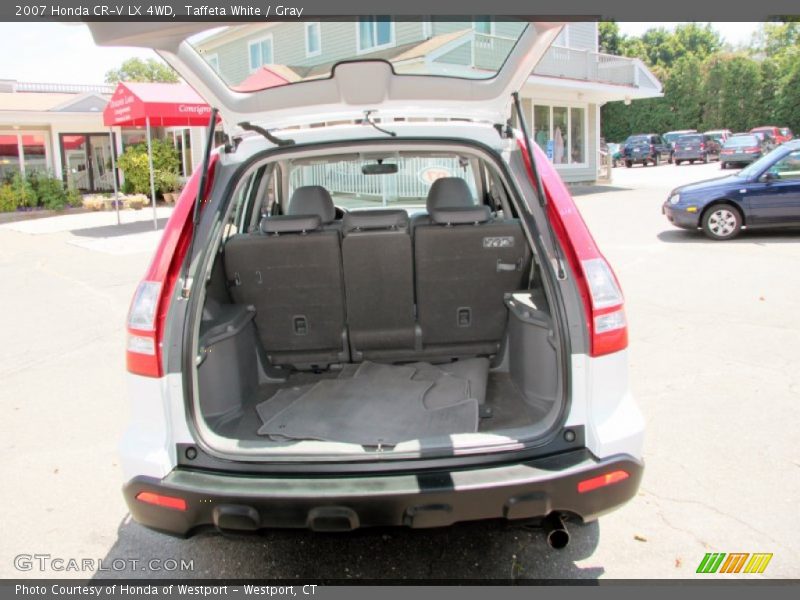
751 150
603 301
151 300
609 326
652 148
587 485
161 500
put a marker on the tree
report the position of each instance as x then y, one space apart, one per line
683 91
609 37
137 69
787 108
740 93
712 90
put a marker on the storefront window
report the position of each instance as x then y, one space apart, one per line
561 132
541 123
576 129
35 153
560 144
22 153
9 156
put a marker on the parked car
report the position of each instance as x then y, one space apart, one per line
695 147
721 135
741 149
644 148
297 364
764 194
671 136
772 136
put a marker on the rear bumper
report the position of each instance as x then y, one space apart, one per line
692 155
739 158
427 499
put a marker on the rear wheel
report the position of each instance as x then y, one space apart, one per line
723 165
628 164
677 163
722 222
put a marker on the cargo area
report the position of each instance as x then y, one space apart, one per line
375 326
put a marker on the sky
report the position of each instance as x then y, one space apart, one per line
65 53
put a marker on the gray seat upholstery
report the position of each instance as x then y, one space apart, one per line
314 200
379 283
291 271
465 261
445 192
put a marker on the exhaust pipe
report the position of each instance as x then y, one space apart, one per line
555 531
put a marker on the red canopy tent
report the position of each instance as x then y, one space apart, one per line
155 105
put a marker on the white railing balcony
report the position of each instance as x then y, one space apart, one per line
586 65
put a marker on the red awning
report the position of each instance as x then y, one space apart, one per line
166 104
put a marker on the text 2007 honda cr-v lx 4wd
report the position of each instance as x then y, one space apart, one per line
382 309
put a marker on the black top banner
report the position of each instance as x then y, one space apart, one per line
260 10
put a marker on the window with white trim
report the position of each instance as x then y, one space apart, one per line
375 33
313 39
560 131
260 52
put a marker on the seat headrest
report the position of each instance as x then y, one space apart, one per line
461 215
312 200
449 192
290 224
365 220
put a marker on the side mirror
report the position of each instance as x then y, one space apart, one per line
770 176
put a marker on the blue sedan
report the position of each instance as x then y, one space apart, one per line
765 194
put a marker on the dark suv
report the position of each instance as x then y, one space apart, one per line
695 147
645 148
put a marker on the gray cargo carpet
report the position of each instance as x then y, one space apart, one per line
380 404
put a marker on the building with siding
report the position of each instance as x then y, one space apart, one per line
562 97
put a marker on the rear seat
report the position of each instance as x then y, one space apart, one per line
328 292
465 261
379 284
291 271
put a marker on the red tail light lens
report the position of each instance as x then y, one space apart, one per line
150 303
587 485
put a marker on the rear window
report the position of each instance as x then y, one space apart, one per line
408 187
257 56
741 141
690 139
638 139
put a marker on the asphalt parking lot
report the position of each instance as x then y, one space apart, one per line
714 363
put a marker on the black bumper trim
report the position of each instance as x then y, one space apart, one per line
523 490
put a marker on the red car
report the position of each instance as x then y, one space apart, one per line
779 135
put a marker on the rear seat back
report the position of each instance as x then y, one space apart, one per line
291 271
379 283
465 261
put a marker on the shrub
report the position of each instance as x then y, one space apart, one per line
74 197
167 181
8 200
23 191
134 163
51 193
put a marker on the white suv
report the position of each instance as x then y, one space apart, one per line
383 309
